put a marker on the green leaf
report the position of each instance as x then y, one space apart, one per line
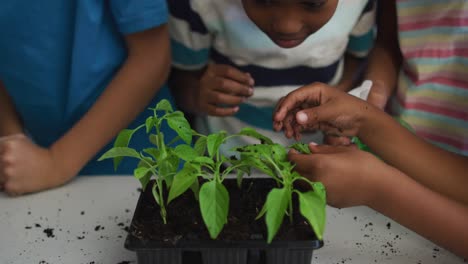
203 160
185 152
256 162
153 152
164 105
301 147
168 168
179 124
276 203
122 140
278 153
143 174
200 146
120 152
262 212
153 138
214 206
214 141
247 131
320 190
313 207
360 144
149 123
183 180
196 189
256 150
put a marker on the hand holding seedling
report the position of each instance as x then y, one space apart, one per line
349 174
319 107
222 89
25 167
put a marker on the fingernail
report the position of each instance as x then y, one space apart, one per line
313 143
301 117
251 91
251 80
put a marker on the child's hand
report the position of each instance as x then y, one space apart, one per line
350 176
319 107
222 89
26 167
336 141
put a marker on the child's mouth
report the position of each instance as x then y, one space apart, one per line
288 43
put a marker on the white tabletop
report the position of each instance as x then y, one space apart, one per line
85 220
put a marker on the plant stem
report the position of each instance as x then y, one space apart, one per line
161 198
161 201
290 209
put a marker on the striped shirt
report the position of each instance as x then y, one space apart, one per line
432 92
219 31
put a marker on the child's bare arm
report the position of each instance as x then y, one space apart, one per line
317 106
350 70
10 122
184 85
440 170
385 58
135 84
386 190
26 167
424 211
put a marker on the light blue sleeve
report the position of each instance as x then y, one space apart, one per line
138 15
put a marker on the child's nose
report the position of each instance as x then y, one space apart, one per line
287 24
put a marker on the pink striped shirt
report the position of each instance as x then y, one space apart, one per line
432 92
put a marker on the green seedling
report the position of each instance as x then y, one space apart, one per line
197 163
161 161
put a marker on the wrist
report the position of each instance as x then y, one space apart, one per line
382 187
370 120
387 190
64 165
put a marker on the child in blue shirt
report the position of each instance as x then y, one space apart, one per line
72 75
233 60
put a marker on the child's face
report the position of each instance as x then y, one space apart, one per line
289 22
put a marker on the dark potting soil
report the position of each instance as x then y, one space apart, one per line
185 222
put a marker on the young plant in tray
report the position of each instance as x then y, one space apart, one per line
160 162
271 159
176 169
205 160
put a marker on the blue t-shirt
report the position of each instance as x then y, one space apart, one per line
57 57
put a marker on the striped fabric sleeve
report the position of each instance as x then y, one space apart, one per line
361 39
190 38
